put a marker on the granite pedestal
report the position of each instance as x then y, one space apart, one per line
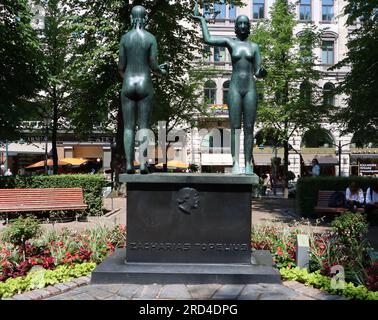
188 228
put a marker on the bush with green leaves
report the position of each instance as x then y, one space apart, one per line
43 278
346 245
324 283
307 189
92 185
21 230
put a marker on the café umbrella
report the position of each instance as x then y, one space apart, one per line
173 164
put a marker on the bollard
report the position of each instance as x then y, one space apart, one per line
303 251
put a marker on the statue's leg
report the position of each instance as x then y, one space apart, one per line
249 118
234 108
144 114
128 112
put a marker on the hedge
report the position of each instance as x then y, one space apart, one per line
307 189
91 184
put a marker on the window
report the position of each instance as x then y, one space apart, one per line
220 9
327 10
226 87
327 52
210 91
219 54
305 53
329 94
258 9
305 10
207 54
305 92
232 12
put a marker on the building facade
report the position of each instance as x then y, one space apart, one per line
336 154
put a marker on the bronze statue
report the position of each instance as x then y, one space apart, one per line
242 96
138 54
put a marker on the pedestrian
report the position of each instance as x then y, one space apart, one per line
315 171
267 184
354 197
371 208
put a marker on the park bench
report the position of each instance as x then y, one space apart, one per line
45 199
322 205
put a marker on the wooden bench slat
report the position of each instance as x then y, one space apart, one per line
41 199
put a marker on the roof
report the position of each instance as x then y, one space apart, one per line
32 148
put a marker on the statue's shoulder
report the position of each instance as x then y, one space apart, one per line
150 35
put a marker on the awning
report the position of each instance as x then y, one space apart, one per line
49 163
74 161
15 149
322 158
174 164
364 156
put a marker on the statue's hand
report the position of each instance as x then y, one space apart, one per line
261 73
164 68
196 15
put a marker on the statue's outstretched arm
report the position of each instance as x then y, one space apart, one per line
207 38
260 72
122 59
161 69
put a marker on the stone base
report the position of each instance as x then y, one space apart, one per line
114 269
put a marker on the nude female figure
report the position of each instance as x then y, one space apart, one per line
242 96
137 55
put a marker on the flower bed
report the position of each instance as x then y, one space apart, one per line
346 245
54 251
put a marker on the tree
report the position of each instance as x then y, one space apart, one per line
291 99
360 84
99 26
54 100
21 68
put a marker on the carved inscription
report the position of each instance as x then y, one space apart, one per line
173 246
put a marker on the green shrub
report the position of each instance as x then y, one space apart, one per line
91 184
7 182
308 188
42 278
351 228
324 283
22 230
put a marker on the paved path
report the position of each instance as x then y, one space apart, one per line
262 291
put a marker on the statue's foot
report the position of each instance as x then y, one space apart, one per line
235 169
248 169
143 169
130 170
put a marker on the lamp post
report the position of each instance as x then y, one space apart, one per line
46 121
4 166
6 156
339 151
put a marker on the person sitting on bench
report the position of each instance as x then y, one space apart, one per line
354 197
371 208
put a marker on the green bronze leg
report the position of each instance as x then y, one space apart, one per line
249 117
128 111
144 112
234 108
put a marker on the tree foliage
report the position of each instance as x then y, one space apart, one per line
21 68
360 84
291 98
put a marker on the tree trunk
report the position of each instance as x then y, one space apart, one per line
55 134
286 170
